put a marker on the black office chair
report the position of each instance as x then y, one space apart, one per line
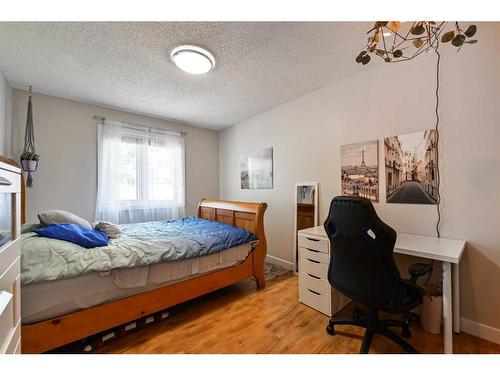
363 268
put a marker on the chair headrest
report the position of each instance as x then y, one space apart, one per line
349 214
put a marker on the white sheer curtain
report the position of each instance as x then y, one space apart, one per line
140 174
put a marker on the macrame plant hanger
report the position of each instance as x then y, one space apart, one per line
29 158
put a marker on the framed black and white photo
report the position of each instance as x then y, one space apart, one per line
256 169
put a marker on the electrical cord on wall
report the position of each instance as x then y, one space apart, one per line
436 128
437 143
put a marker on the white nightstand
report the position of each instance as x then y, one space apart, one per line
314 289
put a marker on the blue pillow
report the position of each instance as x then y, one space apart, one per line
74 233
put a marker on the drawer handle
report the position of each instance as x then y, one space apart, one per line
313 239
313 261
312 291
315 277
312 250
4 181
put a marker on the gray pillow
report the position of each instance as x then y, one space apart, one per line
60 217
109 229
27 228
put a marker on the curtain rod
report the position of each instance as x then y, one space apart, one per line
100 118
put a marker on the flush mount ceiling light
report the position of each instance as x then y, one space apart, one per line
192 59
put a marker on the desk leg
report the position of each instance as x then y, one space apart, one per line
456 299
447 308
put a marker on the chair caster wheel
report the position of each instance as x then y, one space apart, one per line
330 330
406 332
357 314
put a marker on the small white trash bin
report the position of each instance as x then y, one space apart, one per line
432 311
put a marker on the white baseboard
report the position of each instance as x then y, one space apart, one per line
480 330
280 262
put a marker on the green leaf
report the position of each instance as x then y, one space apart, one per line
418 43
417 29
458 40
447 36
472 41
471 31
366 59
379 24
397 53
360 56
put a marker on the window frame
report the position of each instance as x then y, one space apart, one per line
142 173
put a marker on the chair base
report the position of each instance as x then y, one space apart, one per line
375 326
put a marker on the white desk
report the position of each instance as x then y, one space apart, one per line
445 250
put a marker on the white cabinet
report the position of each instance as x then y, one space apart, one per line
10 259
314 289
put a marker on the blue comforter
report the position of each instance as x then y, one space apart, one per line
46 259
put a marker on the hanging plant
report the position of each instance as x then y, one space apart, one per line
29 158
388 41
29 161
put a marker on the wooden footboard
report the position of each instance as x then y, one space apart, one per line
246 215
52 333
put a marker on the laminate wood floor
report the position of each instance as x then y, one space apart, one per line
240 319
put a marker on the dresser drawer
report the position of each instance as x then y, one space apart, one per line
8 254
313 267
14 346
10 181
6 319
314 244
314 299
315 283
314 255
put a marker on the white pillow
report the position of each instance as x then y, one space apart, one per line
62 217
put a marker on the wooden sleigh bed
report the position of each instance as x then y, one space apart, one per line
52 333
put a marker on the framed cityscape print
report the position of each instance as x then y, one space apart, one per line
359 169
411 168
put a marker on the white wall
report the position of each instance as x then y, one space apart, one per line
384 100
5 116
66 139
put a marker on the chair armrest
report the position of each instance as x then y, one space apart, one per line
417 270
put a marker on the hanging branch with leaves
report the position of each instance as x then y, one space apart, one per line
388 41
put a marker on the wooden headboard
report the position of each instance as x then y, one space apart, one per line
246 215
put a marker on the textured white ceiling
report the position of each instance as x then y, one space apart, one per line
259 65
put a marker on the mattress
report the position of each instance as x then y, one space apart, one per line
49 299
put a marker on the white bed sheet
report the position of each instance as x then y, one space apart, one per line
54 298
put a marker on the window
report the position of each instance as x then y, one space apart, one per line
141 174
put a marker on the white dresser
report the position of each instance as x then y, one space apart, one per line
314 288
10 259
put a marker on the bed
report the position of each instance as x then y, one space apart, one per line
59 311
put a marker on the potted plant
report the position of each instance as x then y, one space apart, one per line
29 161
